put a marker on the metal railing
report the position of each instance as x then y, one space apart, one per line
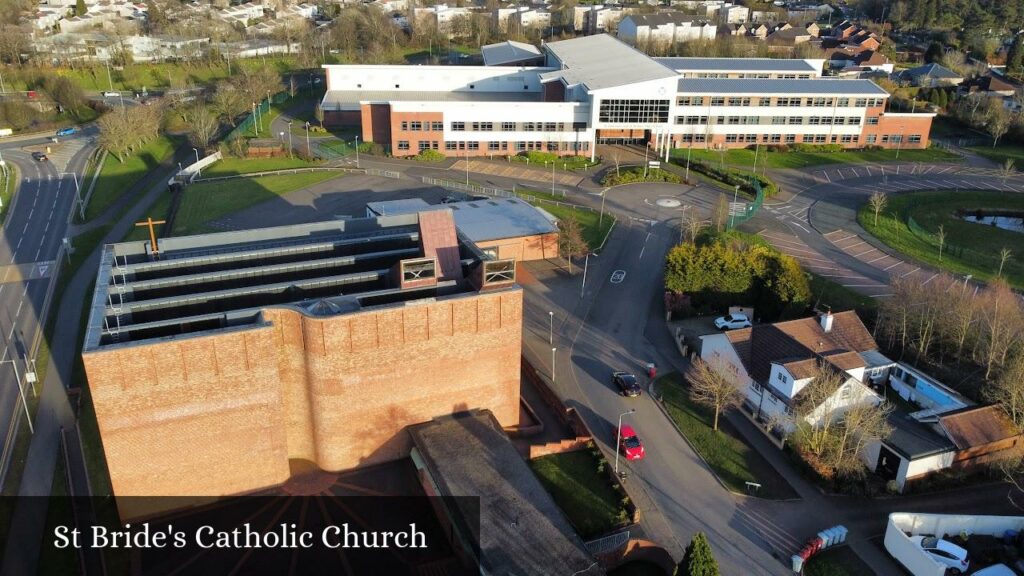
245 127
738 215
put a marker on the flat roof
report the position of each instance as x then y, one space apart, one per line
521 529
508 52
480 220
224 281
737 64
912 439
601 61
336 97
810 86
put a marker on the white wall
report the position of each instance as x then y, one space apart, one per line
856 394
434 78
898 543
498 112
925 465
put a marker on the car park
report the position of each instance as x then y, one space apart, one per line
39 157
630 445
732 321
627 384
944 552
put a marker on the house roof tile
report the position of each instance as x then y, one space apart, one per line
977 426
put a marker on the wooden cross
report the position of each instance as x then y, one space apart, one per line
152 233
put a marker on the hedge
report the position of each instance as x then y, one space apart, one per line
733 177
634 175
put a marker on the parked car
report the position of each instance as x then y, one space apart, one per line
630 444
39 157
996 570
732 322
449 199
67 131
627 383
111 94
944 552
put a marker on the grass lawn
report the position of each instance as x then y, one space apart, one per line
969 248
208 201
745 158
116 177
8 182
839 561
825 292
732 459
158 210
562 163
232 166
1000 154
592 232
585 495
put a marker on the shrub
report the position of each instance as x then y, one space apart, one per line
429 156
634 175
733 177
318 130
817 147
698 559
371 148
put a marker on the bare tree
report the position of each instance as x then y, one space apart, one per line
202 126
1008 389
1007 169
998 121
318 113
1004 257
941 237
878 201
721 213
571 243
693 224
710 387
1002 319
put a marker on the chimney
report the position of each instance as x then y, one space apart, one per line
826 321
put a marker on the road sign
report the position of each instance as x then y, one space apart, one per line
43 268
654 164
737 208
618 276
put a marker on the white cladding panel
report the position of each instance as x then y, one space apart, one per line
435 78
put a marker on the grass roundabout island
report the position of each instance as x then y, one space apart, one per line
962 232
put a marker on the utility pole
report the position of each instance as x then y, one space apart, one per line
255 123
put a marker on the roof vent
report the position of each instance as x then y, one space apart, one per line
826 321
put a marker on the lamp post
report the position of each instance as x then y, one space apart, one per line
586 263
551 327
307 140
618 438
732 209
289 139
196 150
552 177
467 166
600 219
899 143
255 124
78 194
689 150
553 364
281 136
357 151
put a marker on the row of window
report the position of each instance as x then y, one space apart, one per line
633 111
422 145
805 138
783 101
417 126
509 126
774 120
757 75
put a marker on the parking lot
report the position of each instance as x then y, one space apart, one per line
860 249
815 262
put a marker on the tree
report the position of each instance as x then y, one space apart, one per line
571 243
998 121
228 102
693 224
721 214
1008 389
698 559
202 126
941 237
318 113
80 8
1007 169
1015 57
1004 256
710 387
878 202
934 53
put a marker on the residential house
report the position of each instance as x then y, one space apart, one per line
440 16
735 14
789 37
663 28
525 19
844 30
991 83
930 76
733 30
602 18
864 40
763 16
773 363
813 29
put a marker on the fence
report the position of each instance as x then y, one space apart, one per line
470 189
950 249
739 215
246 127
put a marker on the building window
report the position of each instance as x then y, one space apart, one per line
691 101
790 138
508 126
872 121
718 100
896 138
780 377
845 392
527 126
550 127
403 144
449 145
423 145
552 146
795 120
853 120
731 138
520 145
416 126
843 102
751 138
751 120
734 101
492 145
860 102
433 145
733 120
818 102
914 139
756 387
437 126
458 126
474 145
404 126
839 120
775 138
814 120
504 146
462 145
778 120
633 111
818 139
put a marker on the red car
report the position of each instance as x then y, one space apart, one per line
630 444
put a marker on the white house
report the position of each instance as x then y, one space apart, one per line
441 16
664 27
774 363
735 14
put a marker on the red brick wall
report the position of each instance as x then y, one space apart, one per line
376 123
415 136
900 125
224 413
538 247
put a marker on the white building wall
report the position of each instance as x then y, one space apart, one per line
852 393
498 112
903 525
434 78
717 351
662 89
766 114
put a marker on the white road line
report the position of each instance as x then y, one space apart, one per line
855 175
930 278
911 272
882 257
18 313
832 232
800 227
852 246
898 262
825 174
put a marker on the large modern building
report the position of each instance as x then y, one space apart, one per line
219 364
597 89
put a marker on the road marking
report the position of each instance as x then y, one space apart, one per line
825 174
644 247
618 276
911 272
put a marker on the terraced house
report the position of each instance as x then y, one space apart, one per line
596 89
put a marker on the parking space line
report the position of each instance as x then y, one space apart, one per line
911 272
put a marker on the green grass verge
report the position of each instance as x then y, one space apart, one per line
732 460
8 184
208 201
594 227
159 210
840 561
1000 154
980 244
585 495
835 296
795 159
117 177
233 166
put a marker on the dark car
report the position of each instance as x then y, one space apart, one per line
627 384
39 157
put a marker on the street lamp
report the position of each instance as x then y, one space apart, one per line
600 219
196 150
732 209
553 364
618 439
281 135
308 150
255 117
586 263
289 139
551 328
78 194
357 151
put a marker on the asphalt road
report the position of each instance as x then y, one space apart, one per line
33 231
